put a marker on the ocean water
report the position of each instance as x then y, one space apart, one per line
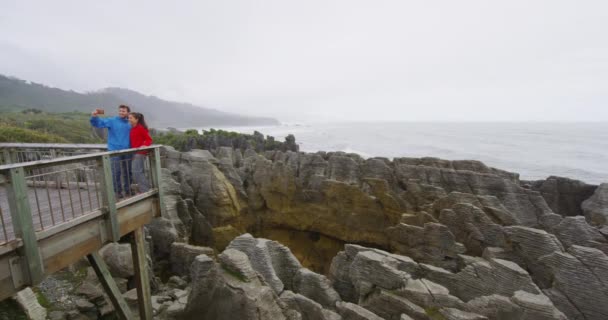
534 150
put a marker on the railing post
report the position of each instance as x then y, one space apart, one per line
23 224
109 197
10 155
157 174
138 249
6 156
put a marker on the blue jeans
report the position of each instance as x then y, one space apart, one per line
121 175
137 166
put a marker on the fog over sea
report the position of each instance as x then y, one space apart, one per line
534 150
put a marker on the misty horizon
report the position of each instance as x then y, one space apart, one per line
323 61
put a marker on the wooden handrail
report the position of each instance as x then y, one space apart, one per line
33 253
52 145
72 159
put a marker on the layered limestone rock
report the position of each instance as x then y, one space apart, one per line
595 208
431 243
564 196
391 285
261 279
218 293
119 259
467 240
579 282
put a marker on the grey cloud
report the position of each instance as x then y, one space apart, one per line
326 60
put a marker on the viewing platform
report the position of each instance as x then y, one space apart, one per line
58 205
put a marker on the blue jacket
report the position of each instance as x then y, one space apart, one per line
118 131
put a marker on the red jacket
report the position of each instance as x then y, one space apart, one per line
140 137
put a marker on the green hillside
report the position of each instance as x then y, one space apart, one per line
16 94
32 125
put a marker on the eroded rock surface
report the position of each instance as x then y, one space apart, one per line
436 237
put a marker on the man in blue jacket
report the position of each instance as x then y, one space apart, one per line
118 139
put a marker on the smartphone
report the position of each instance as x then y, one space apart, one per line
100 111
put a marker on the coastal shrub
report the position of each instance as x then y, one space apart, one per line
14 134
215 138
39 126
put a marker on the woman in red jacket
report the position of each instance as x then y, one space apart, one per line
139 137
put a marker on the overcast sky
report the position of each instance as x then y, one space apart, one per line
325 60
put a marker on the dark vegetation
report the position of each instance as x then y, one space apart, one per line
16 94
34 113
34 125
213 139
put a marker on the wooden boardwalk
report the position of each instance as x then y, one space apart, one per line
49 221
50 207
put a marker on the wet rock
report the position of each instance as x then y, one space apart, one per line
494 210
209 188
418 219
28 302
474 177
90 291
307 308
596 207
316 287
177 282
433 243
163 233
428 294
259 254
223 236
483 278
370 267
217 294
472 226
175 310
496 307
284 263
182 255
351 311
536 307
564 196
343 169
530 244
75 315
576 230
579 281
549 221
119 259
237 263
390 306
84 305
373 267
455 314
56 315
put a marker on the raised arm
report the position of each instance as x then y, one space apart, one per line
98 122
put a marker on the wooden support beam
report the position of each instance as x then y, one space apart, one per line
23 225
109 197
141 274
157 172
120 305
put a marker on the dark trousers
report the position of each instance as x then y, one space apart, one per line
121 175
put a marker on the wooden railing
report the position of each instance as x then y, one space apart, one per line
26 152
42 198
